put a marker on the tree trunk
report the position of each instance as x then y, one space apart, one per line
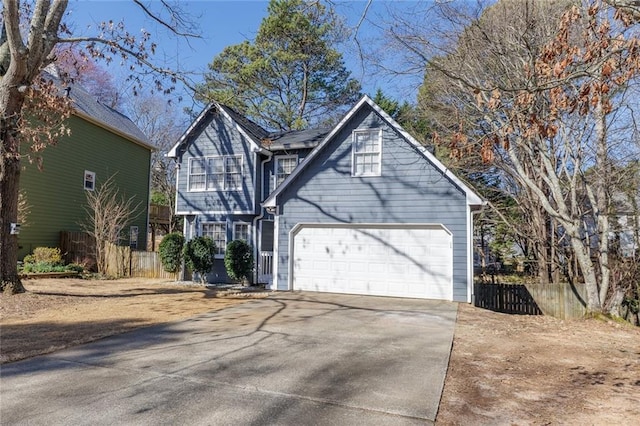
12 96
581 252
603 171
9 188
538 222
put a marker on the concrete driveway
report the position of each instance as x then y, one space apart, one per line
290 359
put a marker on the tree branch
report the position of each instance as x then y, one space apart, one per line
139 57
171 28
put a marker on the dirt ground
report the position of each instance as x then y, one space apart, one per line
58 313
504 369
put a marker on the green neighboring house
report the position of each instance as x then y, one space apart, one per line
103 142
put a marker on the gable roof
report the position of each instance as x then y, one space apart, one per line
249 126
250 130
473 199
115 121
87 107
262 140
295 139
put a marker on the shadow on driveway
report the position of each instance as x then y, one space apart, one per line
293 358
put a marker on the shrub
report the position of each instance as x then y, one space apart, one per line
47 259
44 267
40 267
49 255
238 260
170 251
75 267
198 255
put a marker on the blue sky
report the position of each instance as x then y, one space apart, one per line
223 23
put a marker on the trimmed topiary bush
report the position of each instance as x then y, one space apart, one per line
170 251
198 255
238 260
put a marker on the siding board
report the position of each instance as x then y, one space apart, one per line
219 137
410 190
56 194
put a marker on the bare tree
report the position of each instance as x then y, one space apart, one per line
163 125
540 90
30 33
631 8
108 213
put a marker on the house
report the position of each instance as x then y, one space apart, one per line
102 143
360 208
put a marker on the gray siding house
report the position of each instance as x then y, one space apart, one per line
361 208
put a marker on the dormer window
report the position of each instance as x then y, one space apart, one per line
366 154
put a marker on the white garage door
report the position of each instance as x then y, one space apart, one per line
384 260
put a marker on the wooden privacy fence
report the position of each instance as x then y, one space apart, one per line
147 264
563 301
507 298
78 247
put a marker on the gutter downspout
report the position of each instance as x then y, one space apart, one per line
474 212
258 240
182 273
147 224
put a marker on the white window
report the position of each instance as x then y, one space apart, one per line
133 237
197 174
215 166
284 167
222 173
233 172
218 233
89 180
241 231
366 152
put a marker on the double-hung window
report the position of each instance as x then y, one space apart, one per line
366 153
89 180
218 233
241 231
221 173
233 172
284 167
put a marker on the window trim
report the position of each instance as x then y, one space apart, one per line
241 222
93 180
277 158
378 133
189 174
208 173
218 255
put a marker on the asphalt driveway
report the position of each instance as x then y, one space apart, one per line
290 359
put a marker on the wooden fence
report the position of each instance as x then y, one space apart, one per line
563 301
78 247
147 264
507 298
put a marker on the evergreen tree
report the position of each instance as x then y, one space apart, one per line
291 76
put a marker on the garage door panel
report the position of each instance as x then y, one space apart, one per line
393 261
